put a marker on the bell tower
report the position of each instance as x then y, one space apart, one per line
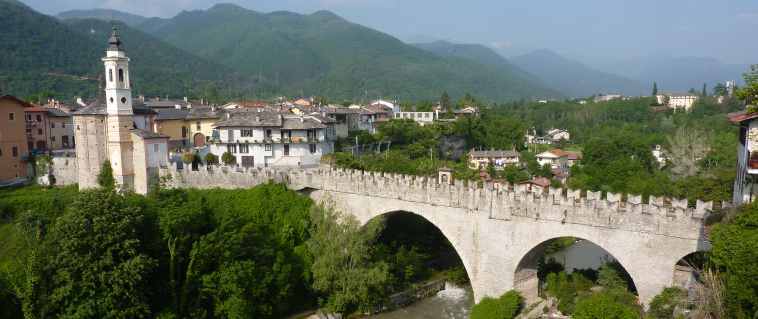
118 99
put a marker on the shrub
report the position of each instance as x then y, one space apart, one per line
189 158
228 158
105 178
603 306
211 159
663 305
507 306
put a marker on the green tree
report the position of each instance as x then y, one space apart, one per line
341 269
749 92
228 159
720 89
93 264
211 159
735 250
445 102
704 92
655 89
105 177
506 306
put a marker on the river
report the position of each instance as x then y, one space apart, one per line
451 303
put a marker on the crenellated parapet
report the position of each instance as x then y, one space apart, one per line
662 216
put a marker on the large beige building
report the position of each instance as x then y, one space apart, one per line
109 129
13 140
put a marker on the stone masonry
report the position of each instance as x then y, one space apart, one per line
495 230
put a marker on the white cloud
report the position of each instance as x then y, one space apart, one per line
502 44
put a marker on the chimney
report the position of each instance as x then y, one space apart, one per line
80 102
185 99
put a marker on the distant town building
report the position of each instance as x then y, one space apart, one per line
497 158
659 155
422 118
677 101
14 151
731 85
467 111
537 185
607 97
551 137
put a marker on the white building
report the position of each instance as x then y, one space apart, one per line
557 159
607 97
422 118
497 158
677 101
553 136
264 139
659 155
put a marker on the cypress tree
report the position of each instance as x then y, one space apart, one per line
655 89
105 178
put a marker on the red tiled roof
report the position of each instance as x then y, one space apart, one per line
739 117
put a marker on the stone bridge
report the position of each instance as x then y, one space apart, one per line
498 232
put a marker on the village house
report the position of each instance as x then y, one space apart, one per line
497 158
556 159
552 136
745 187
537 185
61 132
14 151
270 139
607 97
466 111
422 118
659 155
37 129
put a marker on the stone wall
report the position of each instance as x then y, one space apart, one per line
65 170
660 216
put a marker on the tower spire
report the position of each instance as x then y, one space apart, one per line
114 42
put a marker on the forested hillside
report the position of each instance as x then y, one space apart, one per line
323 54
42 54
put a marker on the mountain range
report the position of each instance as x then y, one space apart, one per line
239 52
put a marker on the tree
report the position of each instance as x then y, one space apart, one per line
749 93
211 159
507 306
685 149
228 159
105 178
735 250
342 270
189 157
655 89
445 102
704 93
93 264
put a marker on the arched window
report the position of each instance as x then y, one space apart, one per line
121 75
110 75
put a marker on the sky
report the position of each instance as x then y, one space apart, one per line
584 29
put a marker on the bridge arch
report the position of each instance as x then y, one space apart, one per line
526 277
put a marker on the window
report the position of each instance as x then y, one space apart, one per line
52 124
110 75
52 138
15 151
1 152
230 135
121 75
244 149
286 150
39 131
313 148
64 140
197 125
28 117
184 132
39 118
231 148
268 147
156 148
246 133
248 161
11 116
268 133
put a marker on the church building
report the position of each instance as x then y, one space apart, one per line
113 129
